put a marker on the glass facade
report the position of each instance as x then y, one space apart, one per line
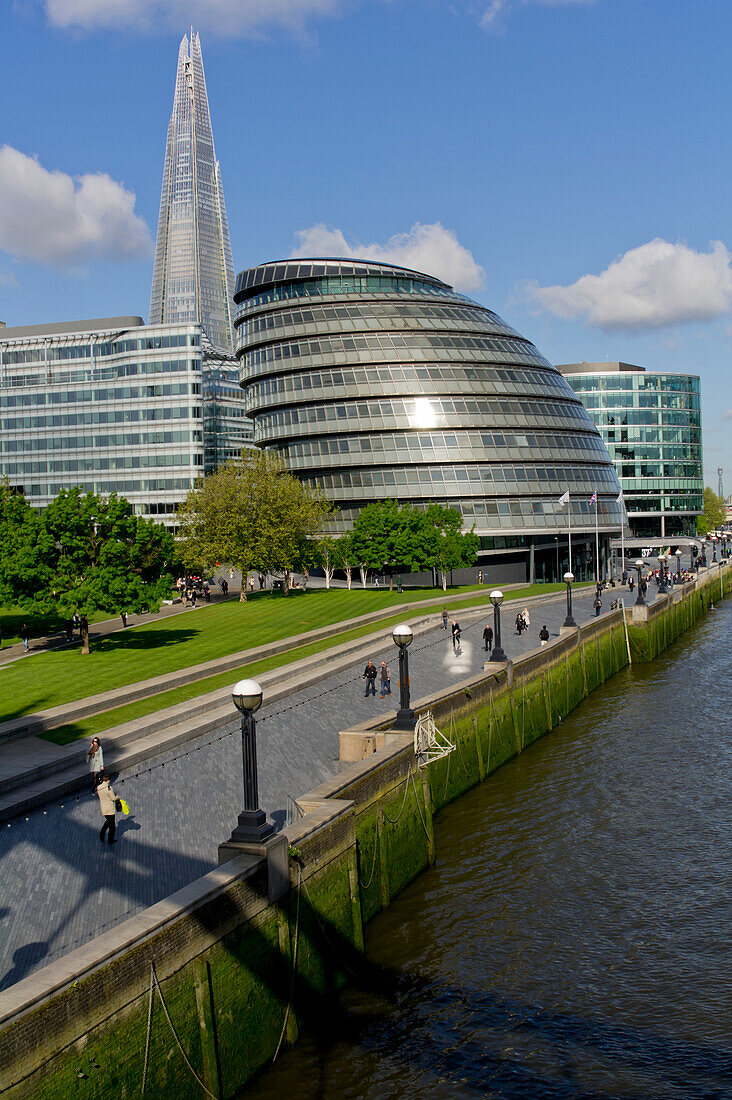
138 410
373 381
194 272
651 424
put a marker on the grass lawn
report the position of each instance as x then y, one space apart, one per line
177 642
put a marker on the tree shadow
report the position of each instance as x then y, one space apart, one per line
141 639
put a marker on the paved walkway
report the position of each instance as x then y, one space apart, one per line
61 887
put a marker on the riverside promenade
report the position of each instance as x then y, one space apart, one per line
61 887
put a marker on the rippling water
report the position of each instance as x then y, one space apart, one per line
574 939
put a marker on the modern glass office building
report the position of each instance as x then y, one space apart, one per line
114 405
651 423
374 382
193 276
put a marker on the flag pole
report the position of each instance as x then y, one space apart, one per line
597 544
622 535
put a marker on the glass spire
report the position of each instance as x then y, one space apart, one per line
193 277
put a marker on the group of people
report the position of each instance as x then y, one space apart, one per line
369 678
192 589
523 621
102 787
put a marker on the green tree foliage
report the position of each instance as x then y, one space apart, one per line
253 514
391 538
714 514
83 554
25 551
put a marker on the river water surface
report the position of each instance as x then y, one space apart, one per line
574 939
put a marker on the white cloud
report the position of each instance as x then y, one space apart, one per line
496 10
220 17
7 278
56 219
653 286
429 248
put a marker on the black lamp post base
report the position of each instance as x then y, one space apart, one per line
569 621
253 828
497 655
405 720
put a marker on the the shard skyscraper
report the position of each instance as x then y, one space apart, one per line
193 278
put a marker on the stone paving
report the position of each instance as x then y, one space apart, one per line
61 887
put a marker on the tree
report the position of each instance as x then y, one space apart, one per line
253 514
83 554
345 557
452 548
328 548
714 514
25 550
378 538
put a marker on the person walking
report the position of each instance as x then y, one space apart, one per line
519 623
488 638
95 757
261 581
24 636
123 617
69 630
480 576
107 799
444 618
597 604
525 617
385 679
544 635
369 678
399 584
455 634
631 583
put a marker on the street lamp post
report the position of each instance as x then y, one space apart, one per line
639 567
402 636
556 546
496 598
678 565
714 547
569 621
662 589
253 827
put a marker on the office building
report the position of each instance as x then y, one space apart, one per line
193 275
373 381
651 424
114 405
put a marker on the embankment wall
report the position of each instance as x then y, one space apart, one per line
238 969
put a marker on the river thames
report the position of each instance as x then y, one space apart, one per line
574 938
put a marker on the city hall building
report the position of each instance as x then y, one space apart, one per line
373 381
116 406
651 424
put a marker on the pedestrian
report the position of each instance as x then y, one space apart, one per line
261 581
250 582
519 623
76 620
69 630
630 583
207 593
385 679
597 604
525 617
488 638
369 678
123 617
95 758
455 634
107 799
194 596
444 618
399 584
24 636
480 576
544 635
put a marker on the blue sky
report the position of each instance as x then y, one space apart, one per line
566 162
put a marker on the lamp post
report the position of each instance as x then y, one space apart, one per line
639 567
678 554
496 598
402 636
556 546
662 589
714 547
569 621
253 827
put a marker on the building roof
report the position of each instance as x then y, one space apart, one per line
256 279
61 328
598 368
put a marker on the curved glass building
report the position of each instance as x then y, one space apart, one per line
373 382
651 423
